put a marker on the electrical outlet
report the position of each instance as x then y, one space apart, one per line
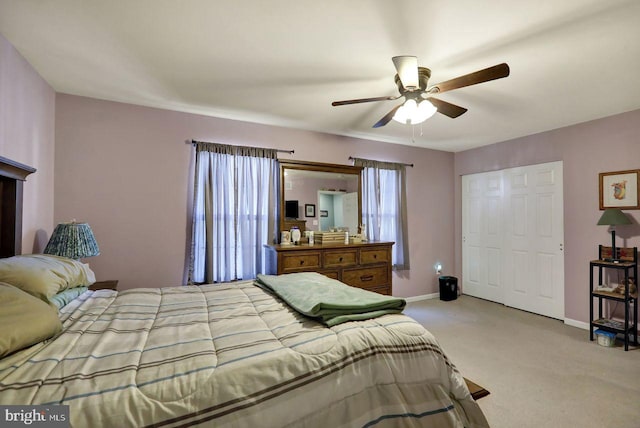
438 267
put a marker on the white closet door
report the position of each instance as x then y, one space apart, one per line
512 228
482 235
534 236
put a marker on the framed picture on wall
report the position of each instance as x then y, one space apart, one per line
309 210
324 213
619 189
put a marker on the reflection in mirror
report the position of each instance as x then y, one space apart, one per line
338 209
328 196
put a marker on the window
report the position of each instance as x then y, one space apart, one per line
384 207
234 215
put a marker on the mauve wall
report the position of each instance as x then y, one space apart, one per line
27 112
586 149
126 170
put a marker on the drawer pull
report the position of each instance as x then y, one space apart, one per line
366 278
340 258
301 262
375 256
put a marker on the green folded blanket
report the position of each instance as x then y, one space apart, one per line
329 300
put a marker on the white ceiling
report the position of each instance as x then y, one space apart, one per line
283 62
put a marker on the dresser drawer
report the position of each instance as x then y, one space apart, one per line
374 255
381 289
366 278
300 262
340 258
331 274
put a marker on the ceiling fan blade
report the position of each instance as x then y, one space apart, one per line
407 68
447 108
387 117
492 73
363 100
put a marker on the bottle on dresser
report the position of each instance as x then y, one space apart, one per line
295 235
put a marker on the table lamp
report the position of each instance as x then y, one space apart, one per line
613 217
72 240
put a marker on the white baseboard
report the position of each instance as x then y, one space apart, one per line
574 323
422 297
581 324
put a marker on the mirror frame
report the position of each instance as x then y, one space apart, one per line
321 167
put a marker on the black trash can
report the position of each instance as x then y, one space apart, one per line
448 288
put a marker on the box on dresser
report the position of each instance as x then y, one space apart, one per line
328 238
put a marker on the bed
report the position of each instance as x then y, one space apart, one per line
223 355
232 355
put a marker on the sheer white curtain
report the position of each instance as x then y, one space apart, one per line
384 206
234 211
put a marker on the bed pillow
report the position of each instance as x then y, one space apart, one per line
44 275
25 320
61 299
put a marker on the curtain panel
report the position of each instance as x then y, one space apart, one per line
234 211
384 206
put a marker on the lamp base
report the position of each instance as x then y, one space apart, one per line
614 251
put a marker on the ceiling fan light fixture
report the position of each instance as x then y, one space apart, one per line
405 112
411 113
413 84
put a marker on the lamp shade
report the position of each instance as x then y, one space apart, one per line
411 113
613 217
72 240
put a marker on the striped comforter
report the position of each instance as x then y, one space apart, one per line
233 355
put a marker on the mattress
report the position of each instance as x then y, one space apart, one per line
234 355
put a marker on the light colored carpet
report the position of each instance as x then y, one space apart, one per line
540 372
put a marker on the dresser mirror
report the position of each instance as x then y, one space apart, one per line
319 196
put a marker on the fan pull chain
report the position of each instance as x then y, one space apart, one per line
413 132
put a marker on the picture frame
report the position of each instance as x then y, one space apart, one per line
620 189
324 213
309 210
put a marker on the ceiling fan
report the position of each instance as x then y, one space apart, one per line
420 103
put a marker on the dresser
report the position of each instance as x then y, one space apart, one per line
365 265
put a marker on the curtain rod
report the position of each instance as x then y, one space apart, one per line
400 163
193 142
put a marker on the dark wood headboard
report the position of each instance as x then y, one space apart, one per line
12 177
